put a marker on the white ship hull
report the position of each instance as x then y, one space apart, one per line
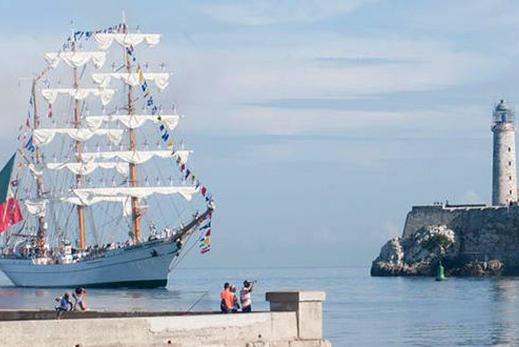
143 266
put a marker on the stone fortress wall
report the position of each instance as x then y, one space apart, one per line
481 232
481 235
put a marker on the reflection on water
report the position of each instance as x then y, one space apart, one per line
359 310
504 329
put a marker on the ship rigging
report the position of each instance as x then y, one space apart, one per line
84 173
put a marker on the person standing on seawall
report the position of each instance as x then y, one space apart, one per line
235 304
245 296
226 298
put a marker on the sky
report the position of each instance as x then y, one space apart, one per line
316 124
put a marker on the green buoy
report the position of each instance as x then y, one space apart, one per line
440 272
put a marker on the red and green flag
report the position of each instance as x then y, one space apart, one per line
10 212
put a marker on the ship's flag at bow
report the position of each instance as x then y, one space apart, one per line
205 242
10 212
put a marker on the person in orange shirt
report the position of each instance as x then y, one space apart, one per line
226 303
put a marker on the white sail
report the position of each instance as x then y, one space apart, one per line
89 194
76 59
41 136
104 40
36 207
88 167
91 200
36 170
132 121
137 157
105 95
103 79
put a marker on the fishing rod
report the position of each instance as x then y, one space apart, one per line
197 301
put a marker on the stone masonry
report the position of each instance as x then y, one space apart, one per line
504 171
477 240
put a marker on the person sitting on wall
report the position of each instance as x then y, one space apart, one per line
226 299
245 297
64 305
79 299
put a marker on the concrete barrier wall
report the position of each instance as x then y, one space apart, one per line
295 320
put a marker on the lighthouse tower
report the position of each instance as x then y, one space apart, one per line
504 174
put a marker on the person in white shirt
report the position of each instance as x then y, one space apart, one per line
245 296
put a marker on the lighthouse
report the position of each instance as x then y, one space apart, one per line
504 174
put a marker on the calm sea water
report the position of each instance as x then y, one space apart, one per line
359 311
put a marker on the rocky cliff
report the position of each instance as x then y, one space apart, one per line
470 241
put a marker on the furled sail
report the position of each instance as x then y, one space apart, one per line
86 194
105 95
132 121
104 40
36 170
137 157
103 79
43 136
90 196
88 167
36 207
76 59
124 200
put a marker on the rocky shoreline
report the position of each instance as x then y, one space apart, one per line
470 240
419 256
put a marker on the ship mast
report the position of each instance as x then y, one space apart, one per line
136 211
79 178
39 182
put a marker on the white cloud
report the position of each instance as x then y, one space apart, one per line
252 120
274 11
299 122
427 65
217 85
214 85
319 151
290 69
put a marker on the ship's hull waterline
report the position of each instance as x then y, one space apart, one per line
143 266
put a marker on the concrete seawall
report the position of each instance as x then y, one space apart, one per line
294 320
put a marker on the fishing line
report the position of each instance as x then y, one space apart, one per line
197 301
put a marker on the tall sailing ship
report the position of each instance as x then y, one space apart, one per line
100 193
